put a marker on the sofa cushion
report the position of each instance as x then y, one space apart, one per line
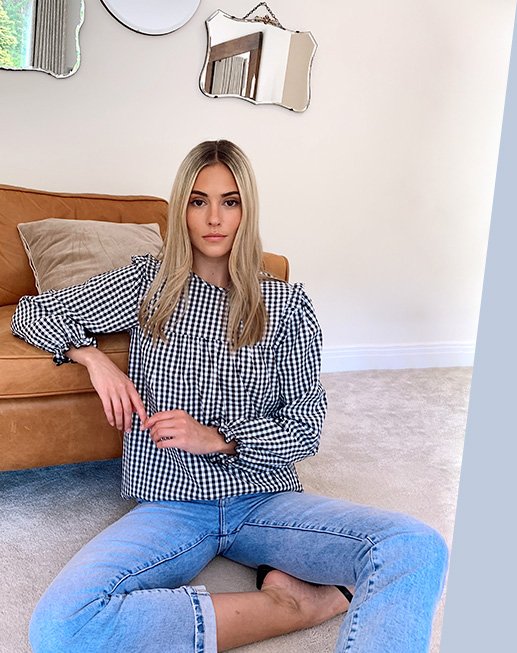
26 205
26 371
67 252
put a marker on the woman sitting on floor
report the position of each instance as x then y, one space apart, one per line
221 399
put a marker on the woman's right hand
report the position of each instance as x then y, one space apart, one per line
117 393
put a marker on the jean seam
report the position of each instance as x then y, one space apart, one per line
311 529
358 602
199 629
352 632
166 558
222 526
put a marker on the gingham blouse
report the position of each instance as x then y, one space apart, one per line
266 397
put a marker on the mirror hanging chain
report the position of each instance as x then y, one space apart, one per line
267 20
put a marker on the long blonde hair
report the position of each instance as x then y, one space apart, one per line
247 316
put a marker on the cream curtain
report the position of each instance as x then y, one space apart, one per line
230 75
49 35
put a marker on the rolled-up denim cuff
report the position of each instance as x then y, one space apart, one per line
205 630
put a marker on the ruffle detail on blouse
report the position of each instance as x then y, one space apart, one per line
147 264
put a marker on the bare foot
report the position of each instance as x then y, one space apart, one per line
313 603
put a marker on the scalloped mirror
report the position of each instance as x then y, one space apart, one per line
257 60
41 35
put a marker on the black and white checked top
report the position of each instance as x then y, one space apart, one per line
266 397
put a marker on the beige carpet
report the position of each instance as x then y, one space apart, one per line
392 438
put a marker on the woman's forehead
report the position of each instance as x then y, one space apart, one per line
216 177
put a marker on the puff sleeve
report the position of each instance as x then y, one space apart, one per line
59 319
293 432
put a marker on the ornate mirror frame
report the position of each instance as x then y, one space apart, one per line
257 60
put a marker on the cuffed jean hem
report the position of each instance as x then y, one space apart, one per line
205 629
122 623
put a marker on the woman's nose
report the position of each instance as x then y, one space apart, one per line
213 215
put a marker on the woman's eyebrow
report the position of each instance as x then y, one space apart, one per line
200 192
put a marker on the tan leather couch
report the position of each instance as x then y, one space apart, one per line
51 415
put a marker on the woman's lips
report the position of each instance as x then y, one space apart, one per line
214 237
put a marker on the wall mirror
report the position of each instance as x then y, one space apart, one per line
154 17
41 35
258 60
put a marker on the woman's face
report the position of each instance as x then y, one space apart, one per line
213 214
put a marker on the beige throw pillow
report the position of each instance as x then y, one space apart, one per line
67 252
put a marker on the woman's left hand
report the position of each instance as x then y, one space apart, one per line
178 429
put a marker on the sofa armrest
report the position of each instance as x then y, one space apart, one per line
26 371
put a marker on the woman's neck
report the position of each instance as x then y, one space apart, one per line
214 272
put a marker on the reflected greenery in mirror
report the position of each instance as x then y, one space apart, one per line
41 35
257 60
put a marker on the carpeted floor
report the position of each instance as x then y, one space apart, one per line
392 438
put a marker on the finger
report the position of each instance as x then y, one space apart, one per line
127 411
141 412
161 432
160 417
108 411
137 404
171 440
149 422
118 412
170 443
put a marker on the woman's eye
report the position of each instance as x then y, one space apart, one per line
231 203
197 202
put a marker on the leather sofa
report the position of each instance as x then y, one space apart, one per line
51 415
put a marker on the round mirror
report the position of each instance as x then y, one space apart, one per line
153 17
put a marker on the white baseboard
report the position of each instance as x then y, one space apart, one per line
394 357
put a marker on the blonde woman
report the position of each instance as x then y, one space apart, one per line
221 399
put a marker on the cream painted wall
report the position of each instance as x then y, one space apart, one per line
380 194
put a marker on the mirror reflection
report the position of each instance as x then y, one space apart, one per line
41 35
257 61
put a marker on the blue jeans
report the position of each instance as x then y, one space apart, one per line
127 591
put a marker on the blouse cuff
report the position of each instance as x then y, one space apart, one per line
59 357
228 436
226 432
